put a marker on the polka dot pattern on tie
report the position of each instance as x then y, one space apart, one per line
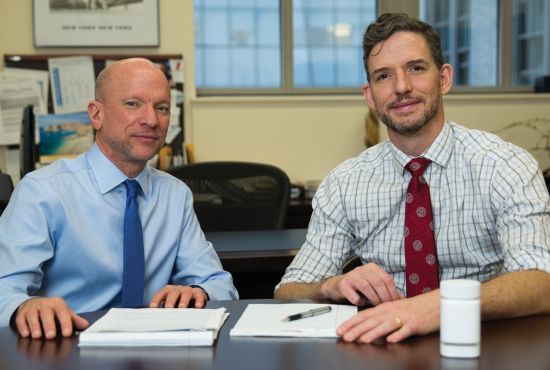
420 251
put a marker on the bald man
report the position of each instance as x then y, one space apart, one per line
61 236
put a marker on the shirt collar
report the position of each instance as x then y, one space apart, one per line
108 176
439 151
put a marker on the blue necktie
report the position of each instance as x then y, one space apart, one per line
134 260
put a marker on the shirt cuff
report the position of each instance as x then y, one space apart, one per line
12 319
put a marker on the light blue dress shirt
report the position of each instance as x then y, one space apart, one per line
61 235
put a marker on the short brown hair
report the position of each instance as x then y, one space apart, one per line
389 23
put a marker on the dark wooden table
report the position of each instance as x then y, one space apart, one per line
257 259
516 344
257 250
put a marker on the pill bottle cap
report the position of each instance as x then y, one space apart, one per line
460 289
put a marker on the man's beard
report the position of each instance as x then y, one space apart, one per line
410 127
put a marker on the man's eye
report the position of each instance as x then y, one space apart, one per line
382 76
163 109
131 104
416 68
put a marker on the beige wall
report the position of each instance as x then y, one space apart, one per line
309 136
305 136
16 37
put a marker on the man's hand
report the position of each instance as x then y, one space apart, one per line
179 296
395 320
39 317
364 284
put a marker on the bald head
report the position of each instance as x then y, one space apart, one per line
131 113
109 74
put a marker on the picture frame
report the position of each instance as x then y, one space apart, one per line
96 23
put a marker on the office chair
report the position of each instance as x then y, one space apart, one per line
6 188
231 196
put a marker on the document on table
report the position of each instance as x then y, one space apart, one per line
266 320
128 327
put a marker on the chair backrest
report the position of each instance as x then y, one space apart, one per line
6 188
237 195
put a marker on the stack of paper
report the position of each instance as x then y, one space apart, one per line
266 320
155 327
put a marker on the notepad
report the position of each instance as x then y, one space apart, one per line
155 327
266 320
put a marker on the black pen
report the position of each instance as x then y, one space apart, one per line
309 313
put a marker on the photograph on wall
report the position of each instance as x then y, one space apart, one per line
64 135
101 23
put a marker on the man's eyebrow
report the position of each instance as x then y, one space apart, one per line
379 70
417 61
410 62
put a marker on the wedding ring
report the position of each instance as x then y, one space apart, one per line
399 321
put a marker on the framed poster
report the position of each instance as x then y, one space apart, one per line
96 23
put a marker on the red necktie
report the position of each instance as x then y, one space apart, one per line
420 251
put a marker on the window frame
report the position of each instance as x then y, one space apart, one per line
411 7
526 36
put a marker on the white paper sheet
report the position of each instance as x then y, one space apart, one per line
156 319
174 127
73 83
14 96
155 327
176 69
21 74
266 320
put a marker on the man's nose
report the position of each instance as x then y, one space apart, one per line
402 83
150 116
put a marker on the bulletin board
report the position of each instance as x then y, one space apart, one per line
40 62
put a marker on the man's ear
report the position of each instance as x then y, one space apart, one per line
446 78
95 111
367 93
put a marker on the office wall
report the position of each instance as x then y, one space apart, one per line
305 136
309 136
16 37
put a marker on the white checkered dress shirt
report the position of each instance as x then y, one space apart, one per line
490 204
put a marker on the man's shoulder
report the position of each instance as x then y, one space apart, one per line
160 175
61 167
369 160
167 181
479 144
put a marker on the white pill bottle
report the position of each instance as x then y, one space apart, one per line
460 332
